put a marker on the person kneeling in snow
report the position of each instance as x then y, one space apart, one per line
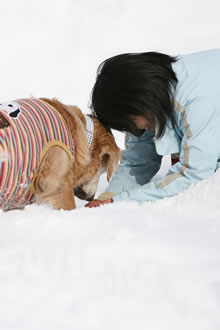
168 106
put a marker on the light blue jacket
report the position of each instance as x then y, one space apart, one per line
196 138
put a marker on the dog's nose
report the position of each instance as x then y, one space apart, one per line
77 190
89 199
81 194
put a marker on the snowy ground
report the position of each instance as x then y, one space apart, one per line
122 266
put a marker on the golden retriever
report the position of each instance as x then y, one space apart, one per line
59 174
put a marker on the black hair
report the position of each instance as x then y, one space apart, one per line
138 84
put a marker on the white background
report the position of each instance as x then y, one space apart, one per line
122 266
53 48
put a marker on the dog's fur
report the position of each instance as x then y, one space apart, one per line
56 180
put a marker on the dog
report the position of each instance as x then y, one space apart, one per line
51 152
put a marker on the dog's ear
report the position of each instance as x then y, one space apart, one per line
110 158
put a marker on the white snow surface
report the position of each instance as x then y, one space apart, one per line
122 266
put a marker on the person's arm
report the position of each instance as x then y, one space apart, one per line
198 157
139 163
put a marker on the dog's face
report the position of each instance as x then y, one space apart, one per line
105 157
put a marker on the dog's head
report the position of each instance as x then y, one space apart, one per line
104 157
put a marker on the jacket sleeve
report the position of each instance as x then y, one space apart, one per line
139 163
198 156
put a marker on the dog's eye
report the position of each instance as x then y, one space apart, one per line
10 105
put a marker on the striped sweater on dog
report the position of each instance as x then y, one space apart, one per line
28 128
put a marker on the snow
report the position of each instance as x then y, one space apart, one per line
121 266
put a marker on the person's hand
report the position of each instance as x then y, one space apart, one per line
97 203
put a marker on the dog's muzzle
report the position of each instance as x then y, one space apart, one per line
81 194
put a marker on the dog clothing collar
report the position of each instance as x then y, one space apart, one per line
89 130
